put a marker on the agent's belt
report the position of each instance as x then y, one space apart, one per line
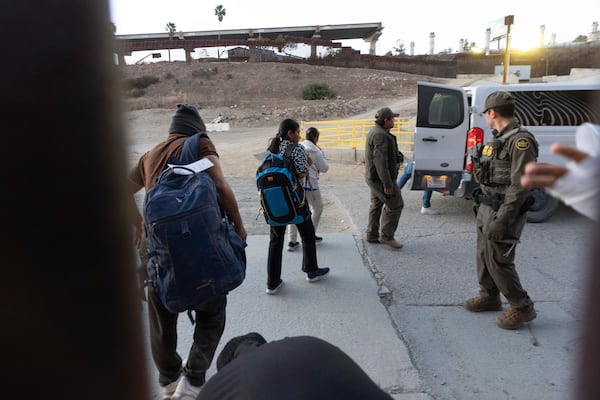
494 201
310 189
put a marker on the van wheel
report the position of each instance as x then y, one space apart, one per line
543 206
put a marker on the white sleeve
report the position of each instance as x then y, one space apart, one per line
319 160
579 187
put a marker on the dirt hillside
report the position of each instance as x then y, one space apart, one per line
261 94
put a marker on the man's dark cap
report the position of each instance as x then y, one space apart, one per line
239 345
187 120
385 113
498 99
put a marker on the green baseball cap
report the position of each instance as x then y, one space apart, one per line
498 99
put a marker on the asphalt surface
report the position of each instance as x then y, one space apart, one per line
399 314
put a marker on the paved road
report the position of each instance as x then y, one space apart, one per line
416 340
464 356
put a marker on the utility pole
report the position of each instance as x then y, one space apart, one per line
508 21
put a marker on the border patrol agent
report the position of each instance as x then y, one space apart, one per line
500 206
382 160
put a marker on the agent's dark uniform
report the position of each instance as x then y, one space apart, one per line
501 207
382 160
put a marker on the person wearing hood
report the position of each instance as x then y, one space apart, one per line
311 184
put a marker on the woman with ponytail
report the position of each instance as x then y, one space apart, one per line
289 135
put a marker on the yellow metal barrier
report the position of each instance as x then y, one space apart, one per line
351 133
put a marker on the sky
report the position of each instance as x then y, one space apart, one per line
406 22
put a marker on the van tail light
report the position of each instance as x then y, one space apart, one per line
474 137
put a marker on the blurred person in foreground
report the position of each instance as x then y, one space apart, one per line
382 161
501 204
577 183
293 368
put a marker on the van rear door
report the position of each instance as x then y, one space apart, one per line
440 136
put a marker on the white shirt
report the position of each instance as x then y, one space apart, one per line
319 165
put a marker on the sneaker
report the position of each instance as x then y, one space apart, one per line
318 239
393 243
514 318
320 273
292 246
478 304
275 289
429 211
185 390
167 391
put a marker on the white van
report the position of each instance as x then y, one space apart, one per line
450 121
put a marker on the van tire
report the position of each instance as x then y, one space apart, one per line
543 206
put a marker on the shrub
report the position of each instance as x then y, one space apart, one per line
140 83
317 91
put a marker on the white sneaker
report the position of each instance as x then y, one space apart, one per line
185 390
167 391
429 211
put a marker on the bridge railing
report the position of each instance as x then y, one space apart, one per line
352 133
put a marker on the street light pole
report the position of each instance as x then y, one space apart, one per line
508 21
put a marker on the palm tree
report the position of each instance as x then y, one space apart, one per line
170 27
220 13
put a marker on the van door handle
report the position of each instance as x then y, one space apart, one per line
429 139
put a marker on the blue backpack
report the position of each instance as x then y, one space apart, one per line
281 195
194 253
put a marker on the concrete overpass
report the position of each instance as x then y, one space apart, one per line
318 35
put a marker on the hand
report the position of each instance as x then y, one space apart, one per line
496 230
388 190
310 160
542 175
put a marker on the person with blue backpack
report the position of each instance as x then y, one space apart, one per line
285 143
179 381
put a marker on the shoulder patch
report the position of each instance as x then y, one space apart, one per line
487 150
522 144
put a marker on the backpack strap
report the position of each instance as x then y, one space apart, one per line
189 154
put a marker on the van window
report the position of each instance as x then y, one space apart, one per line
557 107
440 107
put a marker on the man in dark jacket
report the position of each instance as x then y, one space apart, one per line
382 160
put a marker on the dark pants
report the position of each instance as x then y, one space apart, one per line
496 270
309 250
384 209
209 326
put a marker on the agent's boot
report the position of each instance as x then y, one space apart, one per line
479 304
514 318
